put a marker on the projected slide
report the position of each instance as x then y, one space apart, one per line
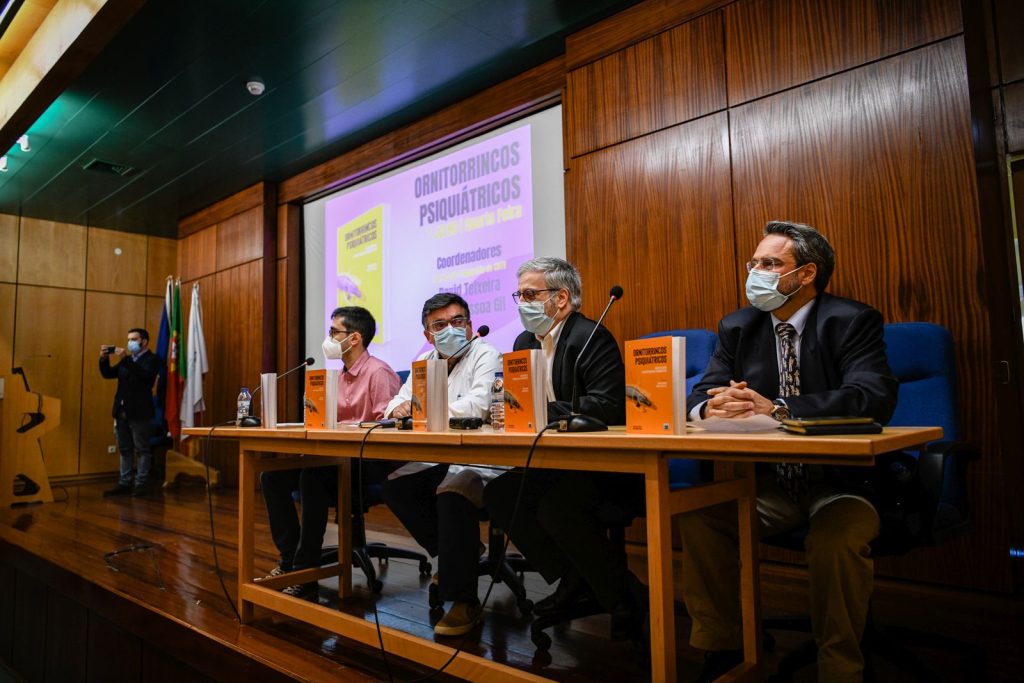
461 223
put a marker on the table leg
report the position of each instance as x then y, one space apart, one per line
750 593
246 530
345 529
659 572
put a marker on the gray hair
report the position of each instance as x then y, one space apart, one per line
558 274
809 246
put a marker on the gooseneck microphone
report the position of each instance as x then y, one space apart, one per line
576 422
252 420
481 331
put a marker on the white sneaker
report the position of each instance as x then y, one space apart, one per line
304 591
276 571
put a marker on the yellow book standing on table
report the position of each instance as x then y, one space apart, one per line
656 385
526 408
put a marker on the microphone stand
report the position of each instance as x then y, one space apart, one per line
576 421
252 420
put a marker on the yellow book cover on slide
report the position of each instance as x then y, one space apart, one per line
360 273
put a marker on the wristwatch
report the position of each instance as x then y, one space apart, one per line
780 411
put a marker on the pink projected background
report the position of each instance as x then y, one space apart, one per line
461 223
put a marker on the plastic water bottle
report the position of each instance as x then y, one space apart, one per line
244 403
498 402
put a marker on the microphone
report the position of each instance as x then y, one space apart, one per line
252 420
482 331
575 422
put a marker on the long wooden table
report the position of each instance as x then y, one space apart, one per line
612 451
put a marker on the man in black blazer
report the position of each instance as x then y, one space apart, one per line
560 525
133 409
796 351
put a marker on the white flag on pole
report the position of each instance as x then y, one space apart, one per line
196 363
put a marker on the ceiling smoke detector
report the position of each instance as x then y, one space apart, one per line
255 86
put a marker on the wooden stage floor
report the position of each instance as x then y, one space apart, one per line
153 557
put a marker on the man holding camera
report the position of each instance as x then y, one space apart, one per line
133 409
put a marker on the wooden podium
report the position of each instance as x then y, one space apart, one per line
24 417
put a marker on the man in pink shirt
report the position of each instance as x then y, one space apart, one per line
365 386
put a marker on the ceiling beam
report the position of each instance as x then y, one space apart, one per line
70 37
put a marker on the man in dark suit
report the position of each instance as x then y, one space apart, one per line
796 351
561 522
133 409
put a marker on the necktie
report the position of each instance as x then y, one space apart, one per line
790 476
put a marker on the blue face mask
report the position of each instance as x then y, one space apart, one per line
763 289
134 347
449 340
534 318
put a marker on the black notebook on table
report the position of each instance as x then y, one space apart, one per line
826 426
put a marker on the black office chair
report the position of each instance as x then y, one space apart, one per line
507 568
922 497
363 552
683 472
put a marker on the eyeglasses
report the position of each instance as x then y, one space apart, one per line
766 263
459 321
333 333
529 295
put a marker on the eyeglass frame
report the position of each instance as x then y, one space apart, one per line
517 295
458 321
333 333
768 263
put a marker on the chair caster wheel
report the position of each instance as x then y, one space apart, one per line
525 607
376 586
541 640
426 569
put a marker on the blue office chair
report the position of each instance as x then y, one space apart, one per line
683 472
921 497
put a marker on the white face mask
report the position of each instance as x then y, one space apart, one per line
763 289
534 318
449 341
333 349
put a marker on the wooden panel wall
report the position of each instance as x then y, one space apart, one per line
776 44
668 192
675 76
8 248
69 292
117 262
853 116
51 254
230 248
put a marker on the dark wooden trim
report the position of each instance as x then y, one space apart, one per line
213 657
631 26
268 360
998 278
519 96
244 200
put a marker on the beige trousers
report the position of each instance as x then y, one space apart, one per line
839 563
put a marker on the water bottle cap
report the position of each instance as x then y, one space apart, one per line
245 388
